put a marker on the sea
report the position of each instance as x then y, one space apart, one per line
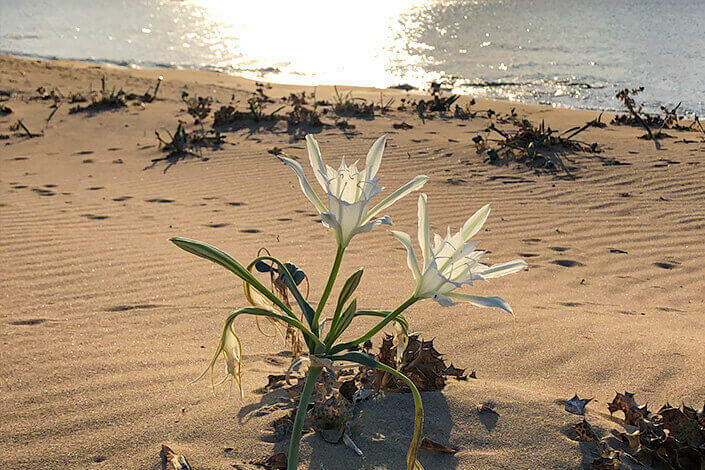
564 53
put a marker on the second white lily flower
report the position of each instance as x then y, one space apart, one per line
349 191
452 262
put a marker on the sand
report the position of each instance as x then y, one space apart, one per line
104 323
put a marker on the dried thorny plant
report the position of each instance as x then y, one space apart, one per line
534 146
199 107
448 264
626 96
106 100
183 143
301 114
347 105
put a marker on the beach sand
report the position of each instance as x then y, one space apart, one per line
104 323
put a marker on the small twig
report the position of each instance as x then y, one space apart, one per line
51 115
645 126
29 134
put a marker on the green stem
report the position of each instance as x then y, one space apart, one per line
311 377
418 415
329 286
389 318
365 360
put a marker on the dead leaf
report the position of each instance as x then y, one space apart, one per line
277 461
608 460
576 405
584 432
428 444
487 407
173 461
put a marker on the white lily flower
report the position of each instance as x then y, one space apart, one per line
452 262
349 191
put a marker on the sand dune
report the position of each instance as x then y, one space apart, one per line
104 323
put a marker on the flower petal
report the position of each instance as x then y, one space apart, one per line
480 301
374 157
424 235
474 223
411 186
405 240
305 186
386 220
314 155
502 269
350 216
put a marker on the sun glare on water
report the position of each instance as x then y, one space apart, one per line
295 42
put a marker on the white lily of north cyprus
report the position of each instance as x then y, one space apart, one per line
452 262
350 191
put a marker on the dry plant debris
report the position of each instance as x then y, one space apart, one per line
109 100
535 146
199 107
173 461
672 438
347 105
421 362
576 405
185 143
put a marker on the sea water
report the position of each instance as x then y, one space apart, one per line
569 53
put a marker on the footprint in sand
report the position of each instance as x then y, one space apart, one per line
531 240
118 161
235 204
19 186
125 308
528 255
220 225
43 192
50 185
160 200
567 263
122 198
571 304
85 152
284 219
113 149
667 264
250 230
455 181
88 160
559 249
96 188
18 159
95 217
30 322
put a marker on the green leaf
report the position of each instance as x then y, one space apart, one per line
348 288
217 256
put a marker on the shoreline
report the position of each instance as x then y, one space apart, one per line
244 75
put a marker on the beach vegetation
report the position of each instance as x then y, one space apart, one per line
347 105
110 99
448 264
535 146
